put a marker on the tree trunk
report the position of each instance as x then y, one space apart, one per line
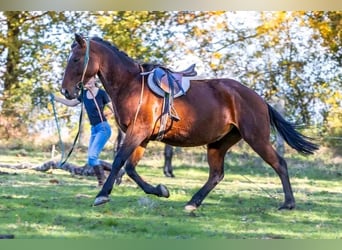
280 144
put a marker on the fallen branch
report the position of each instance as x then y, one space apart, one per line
85 170
6 236
72 168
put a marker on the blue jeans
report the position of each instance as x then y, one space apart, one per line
100 134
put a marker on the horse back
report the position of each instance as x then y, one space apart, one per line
210 109
223 94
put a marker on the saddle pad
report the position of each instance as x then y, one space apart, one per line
159 91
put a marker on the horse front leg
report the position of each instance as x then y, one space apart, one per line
128 147
160 190
103 196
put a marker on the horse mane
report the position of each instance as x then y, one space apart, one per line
146 66
118 52
150 66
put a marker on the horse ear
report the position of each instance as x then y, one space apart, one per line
80 40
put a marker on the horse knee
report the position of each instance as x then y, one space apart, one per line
221 176
216 177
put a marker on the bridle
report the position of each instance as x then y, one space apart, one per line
80 84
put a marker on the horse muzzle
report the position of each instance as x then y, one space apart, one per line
70 95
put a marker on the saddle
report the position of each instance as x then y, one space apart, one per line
169 85
163 81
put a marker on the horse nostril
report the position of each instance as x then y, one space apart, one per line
65 93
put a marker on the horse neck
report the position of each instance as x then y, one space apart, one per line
121 79
116 71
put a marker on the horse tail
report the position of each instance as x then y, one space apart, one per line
288 131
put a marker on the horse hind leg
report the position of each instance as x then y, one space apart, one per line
216 152
269 155
168 152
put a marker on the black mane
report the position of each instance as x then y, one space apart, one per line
146 66
120 53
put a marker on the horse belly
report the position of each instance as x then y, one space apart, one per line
200 128
206 115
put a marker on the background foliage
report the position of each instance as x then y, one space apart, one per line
294 57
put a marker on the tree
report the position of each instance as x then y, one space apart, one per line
30 47
328 26
286 60
134 32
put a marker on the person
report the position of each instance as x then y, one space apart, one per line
100 128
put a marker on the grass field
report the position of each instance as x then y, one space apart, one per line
243 206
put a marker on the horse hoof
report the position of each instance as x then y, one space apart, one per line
100 200
190 208
169 174
287 206
163 191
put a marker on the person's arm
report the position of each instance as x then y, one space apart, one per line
67 102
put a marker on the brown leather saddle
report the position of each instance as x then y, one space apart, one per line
163 81
169 85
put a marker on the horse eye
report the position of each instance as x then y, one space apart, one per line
76 59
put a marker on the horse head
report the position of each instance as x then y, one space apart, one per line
80 68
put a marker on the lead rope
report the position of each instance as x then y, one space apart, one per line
62 162
61 144
76 138
80 85
261 188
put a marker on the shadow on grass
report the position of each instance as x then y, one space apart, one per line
251 164
33 207
65 211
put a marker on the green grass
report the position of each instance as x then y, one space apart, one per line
243 206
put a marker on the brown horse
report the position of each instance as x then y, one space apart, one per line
214 112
